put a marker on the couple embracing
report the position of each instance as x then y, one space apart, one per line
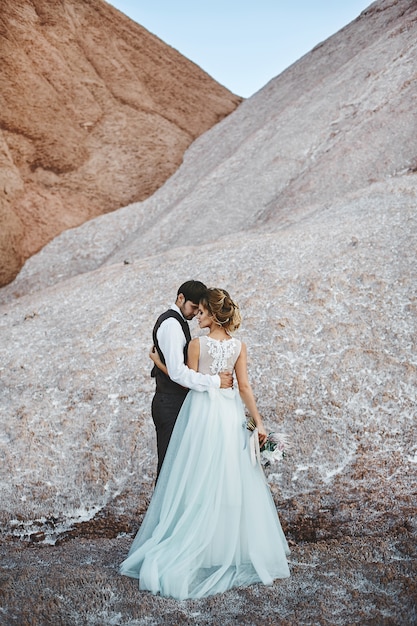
212 523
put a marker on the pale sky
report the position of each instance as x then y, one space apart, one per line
242 43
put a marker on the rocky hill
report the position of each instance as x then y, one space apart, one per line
95 113
336 122
302 203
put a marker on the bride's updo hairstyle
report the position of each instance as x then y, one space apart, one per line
221 306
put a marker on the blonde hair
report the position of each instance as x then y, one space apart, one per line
221 306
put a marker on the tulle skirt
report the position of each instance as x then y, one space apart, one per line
212 523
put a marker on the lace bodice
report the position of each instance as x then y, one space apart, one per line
218 356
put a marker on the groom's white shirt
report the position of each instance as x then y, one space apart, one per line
171 340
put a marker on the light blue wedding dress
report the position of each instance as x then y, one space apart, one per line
212 523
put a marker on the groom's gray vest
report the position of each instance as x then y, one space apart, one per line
163 383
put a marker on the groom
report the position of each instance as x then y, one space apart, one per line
171 336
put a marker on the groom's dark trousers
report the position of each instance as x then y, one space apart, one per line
165 409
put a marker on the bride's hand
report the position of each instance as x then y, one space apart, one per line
262 434
153 354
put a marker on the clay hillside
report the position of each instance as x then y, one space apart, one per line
95 113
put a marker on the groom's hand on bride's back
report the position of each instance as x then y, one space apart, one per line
226 380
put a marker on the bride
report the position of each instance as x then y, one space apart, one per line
211 524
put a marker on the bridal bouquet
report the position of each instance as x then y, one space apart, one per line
274 449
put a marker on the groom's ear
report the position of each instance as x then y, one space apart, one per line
180 299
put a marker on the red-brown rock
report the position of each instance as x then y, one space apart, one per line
95 113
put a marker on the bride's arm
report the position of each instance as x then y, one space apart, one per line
155 358
246 393
193 354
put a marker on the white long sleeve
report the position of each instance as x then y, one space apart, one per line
172 341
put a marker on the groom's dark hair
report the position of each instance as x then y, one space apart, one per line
192 290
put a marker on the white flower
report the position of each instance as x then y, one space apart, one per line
274 449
